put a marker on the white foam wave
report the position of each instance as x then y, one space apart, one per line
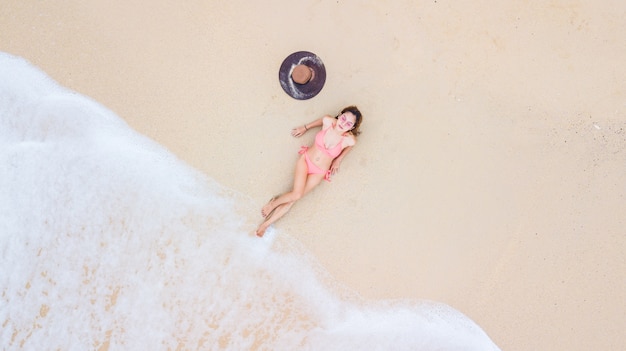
108 241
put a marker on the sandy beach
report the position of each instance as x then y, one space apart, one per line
491 171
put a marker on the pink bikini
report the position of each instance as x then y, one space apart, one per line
332 152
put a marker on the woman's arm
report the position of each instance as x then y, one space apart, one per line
334 166
350 141
299 131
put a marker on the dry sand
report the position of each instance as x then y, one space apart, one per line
491 173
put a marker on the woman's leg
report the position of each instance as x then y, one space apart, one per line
280 211
312 181
299 182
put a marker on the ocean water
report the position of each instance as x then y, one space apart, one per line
110 242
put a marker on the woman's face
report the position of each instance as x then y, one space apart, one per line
346 121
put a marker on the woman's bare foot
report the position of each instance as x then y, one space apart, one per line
261 230
269 207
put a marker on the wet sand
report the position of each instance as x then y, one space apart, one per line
490 173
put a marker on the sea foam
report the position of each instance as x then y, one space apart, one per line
109 241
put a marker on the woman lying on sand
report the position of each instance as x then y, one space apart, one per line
320 161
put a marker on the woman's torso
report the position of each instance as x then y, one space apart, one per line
325 148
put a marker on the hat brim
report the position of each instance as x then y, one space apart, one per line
313 86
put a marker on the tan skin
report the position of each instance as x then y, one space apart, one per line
303 182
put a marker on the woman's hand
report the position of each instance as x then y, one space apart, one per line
298 131
334 166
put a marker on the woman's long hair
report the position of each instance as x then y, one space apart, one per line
359 118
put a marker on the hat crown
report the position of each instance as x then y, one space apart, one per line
302 74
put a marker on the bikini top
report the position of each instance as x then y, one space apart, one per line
319 141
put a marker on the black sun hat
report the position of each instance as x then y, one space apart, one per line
302 75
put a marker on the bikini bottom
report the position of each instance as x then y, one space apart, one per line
312 167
